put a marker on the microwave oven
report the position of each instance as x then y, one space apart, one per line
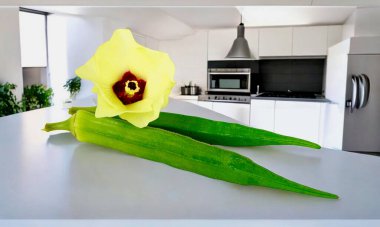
234 80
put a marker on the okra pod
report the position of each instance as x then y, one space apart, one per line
176 150
218 132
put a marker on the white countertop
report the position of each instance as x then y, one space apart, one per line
50 175
319 99
185 97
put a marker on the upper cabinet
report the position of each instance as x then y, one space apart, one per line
309 41
298 41
275 42
220 42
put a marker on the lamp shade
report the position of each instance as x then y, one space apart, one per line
240 48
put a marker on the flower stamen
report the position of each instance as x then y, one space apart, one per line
129 89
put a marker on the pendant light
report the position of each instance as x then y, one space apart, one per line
240 48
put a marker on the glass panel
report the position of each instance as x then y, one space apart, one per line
33 40
229 83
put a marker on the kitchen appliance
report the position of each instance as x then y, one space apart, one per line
190 90
240 48
231 80
225 98
353 85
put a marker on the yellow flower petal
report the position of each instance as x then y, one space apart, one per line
122 54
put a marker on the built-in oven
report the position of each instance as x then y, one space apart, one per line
230 80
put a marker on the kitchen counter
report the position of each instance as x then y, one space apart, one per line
185 97
323 100
53 176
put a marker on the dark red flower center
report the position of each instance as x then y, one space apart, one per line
129 89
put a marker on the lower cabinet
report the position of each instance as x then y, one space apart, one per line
292 118
205 104
262 114
237 111
298 119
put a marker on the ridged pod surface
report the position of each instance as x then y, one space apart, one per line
218 132
176 150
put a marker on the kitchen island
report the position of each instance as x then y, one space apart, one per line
53 176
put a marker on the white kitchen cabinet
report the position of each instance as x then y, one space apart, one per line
309 41
298 119
275 42
262 114
252 36
298 41
220 42
205 104
334 35
237 111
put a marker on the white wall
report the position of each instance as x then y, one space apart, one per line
190 58
367 22
10 52
362 22
72 41
348 30
109 26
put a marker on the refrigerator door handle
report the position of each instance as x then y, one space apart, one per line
363 90
354 98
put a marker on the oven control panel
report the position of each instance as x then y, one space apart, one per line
225 98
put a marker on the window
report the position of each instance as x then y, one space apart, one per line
33 38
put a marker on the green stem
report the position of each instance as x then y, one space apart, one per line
67 125
74 109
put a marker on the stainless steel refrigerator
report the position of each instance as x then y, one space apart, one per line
353 86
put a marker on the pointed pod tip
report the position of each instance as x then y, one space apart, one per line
316 146
334 196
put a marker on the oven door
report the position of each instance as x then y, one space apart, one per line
229 82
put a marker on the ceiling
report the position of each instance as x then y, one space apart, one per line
261 16
175 22
360 3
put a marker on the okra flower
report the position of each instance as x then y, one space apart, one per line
130 80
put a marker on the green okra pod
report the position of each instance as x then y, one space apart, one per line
218 132
178 151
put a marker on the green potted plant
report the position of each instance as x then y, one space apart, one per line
8 101
36 96
73 86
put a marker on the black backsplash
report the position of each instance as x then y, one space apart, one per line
299 75
279 75
234 64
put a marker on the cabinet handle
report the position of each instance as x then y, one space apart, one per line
363 90
354 98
